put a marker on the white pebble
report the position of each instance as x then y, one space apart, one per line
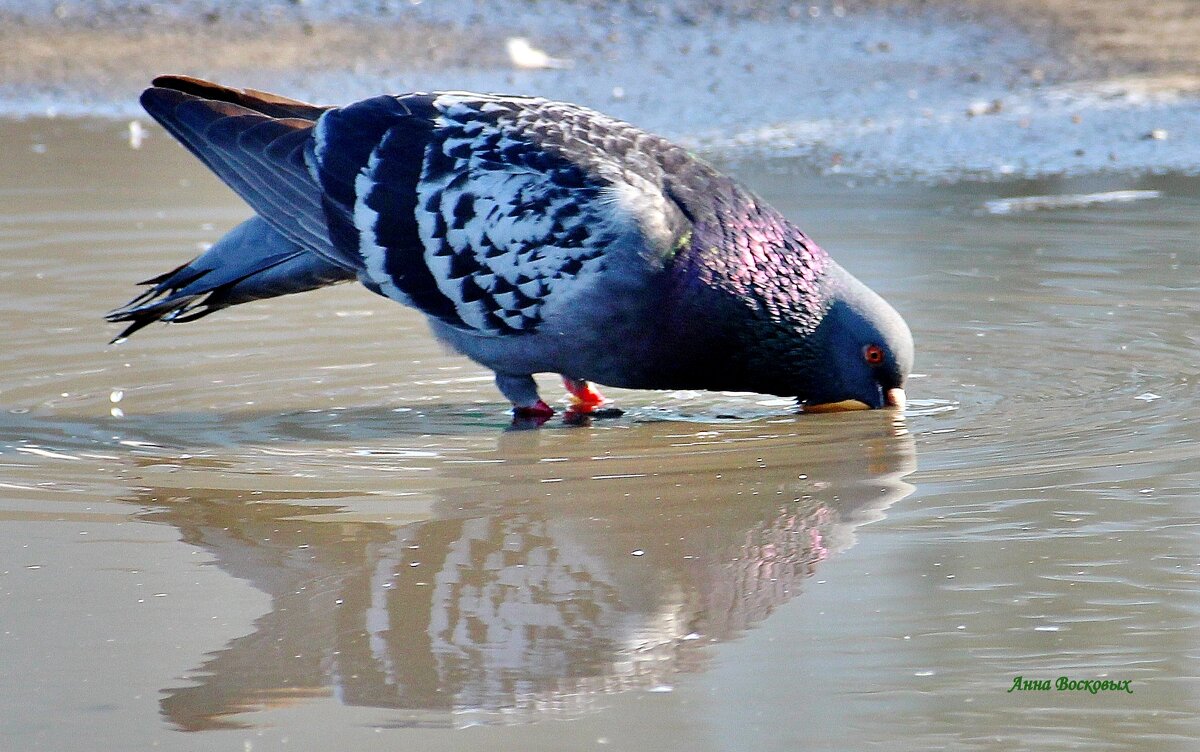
137 134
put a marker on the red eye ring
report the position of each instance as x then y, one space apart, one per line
873 354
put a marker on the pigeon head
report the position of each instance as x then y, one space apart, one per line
860 352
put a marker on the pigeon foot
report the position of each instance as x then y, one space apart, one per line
531 416
584 396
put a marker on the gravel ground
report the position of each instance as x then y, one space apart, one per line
924 88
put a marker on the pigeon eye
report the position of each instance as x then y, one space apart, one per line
873 354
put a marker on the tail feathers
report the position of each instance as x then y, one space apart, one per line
253 261
271 105
256 143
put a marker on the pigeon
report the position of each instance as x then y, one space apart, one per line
536 236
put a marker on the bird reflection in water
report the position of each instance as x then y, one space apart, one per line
510 605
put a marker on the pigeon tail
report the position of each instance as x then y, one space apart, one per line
258 144
253 261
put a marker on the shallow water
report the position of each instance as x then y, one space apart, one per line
302 524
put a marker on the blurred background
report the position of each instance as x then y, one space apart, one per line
924 87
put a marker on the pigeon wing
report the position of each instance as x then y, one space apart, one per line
487 212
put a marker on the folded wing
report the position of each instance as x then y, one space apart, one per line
486 212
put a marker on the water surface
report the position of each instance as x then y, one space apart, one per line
301 524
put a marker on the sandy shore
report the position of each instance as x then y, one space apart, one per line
923 87
1105 38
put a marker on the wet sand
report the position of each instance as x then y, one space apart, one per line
938 89
1103 38
71 46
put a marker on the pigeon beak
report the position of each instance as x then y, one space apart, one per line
893 397
837 407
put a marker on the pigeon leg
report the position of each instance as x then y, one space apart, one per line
521 391
585 399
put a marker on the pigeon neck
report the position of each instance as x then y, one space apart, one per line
749 283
